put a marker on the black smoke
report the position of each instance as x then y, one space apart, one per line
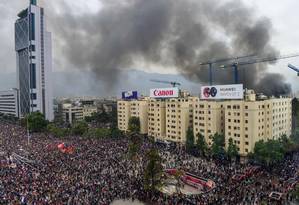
173 33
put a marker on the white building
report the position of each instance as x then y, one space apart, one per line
34 62
71 113
9 101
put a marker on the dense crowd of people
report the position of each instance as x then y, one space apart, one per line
99 172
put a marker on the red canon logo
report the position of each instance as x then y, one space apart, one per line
163 92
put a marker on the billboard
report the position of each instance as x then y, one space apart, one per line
218 92
129 95
164 93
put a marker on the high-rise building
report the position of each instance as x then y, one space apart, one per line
34 62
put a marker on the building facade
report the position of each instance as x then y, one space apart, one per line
9 102
179 117
157 119
208 119
72 114
88 110
34 62
135 108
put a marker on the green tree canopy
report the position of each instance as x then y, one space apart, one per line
36 122
189 140
269 153
134 124
217 147
79 128
153 171
201 144
232 149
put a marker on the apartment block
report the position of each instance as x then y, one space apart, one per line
208 119
247 122
157 119
88 110
179 117
134 108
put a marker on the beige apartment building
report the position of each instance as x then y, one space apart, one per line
208 119
157 118
134 108
245 121
179 117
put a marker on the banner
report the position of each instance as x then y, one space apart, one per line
164 93
218 92
129 95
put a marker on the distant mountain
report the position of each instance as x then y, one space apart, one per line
82 83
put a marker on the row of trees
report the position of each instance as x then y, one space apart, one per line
217 149
36 123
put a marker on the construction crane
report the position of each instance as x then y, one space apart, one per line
236 64
294 68
173 83
211 62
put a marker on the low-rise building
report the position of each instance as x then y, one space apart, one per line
9 102
88 110
72 113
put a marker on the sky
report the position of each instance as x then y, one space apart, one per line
283 16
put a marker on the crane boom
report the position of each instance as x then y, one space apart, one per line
211 62
173 83
256 60
294 68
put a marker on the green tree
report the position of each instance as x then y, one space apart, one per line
218 144
116 133
36 122
135 142
269 153
134 124
201 144
153 171
79 128
189 140
232 149
57 131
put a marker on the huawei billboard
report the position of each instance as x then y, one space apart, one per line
222 92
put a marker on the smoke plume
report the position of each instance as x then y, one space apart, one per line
173 33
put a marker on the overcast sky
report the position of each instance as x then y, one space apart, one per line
283 15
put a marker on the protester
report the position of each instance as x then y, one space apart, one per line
98 171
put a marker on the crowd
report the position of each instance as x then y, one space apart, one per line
99 172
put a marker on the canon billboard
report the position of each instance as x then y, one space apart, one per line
218 92
164 93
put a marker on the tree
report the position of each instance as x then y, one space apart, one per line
57 131
201 144
79 128
189 140
232 149
134 124
269 153
134 145
115 133
217 147
153 171
36 122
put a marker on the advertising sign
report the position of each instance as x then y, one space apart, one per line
129 95
164 93
218 92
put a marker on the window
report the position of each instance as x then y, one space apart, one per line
32 76
33 96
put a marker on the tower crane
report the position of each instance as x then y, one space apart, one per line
211 62
173 83
236 64
294 68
